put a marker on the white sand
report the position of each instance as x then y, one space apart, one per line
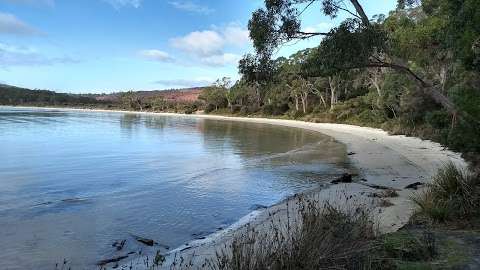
381 159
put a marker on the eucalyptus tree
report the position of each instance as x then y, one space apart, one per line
215 97
359 42
319 87
131 100
159 103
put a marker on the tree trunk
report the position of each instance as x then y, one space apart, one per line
443 77
431 90
304 97
333 92
296 102
361 13
323 101
375 84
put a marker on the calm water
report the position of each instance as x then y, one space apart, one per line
72 183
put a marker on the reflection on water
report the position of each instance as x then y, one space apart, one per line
73 183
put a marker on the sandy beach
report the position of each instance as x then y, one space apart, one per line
383 160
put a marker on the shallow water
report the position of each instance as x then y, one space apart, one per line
72 183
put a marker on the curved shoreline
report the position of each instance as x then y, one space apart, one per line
383 160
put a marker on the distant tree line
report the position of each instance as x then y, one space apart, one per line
10 95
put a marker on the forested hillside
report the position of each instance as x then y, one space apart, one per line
10 95
415 71
176 100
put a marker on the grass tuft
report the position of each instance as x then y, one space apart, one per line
453 195
327 238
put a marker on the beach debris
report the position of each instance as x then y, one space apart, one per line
351 153
201 235
112 260
74 200
119 244
345 178
377 186
414 185
387 193
145 241
148 242
257 207
186 248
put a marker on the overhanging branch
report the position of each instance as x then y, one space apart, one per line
304 35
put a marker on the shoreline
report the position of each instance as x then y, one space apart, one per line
381 159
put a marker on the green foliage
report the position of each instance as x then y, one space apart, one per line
416 37
10 95
462 30
347 47
215 98
256 68
427 248
131 101
407 247
453 196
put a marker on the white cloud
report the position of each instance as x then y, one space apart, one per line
26 56
156 55
208 46
322 27
9 24
184 83
123 3
200 43
236 35
221 59
191 7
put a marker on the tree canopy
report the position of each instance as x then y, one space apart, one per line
361 42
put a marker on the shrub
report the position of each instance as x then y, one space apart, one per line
209 108
294 114
326 238
268 109
244 110
453 195
407 247
235 108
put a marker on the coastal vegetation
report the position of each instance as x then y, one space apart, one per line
10 95
453 196
440 236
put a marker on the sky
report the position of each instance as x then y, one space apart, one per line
101 46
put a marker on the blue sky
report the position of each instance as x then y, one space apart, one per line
113 45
